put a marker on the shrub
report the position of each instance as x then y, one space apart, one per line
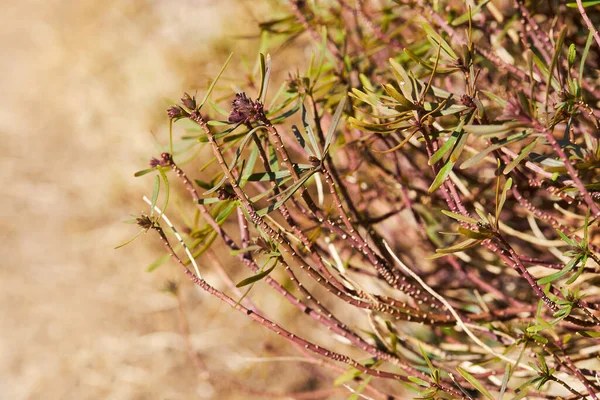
432 175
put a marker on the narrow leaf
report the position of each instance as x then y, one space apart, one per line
462 246
507 186
209 200
167 190
155 194
334 123
557 51
347 376
589 334
266 76
556 275
460 217
255 278
143 172
214 82
418 381
160 261
312 138
446 147
476 384
505 379
471 234
131 240
567 239
584 3
289 192
586 50
244 250
267 176
522 154
441 176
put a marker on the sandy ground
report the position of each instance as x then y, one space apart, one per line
84 89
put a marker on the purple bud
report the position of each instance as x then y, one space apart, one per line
145 222
176 112
167 159
155 162
245 110
188 101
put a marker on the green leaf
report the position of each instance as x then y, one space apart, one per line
347 376
476 384
393 336
391 90
144 172
217 123
279 119
586 50
160 261
167 189
477 158
428 65
557 51
203 185
233 163
460 217
460 144
462 246
214 82
427 360
265 73
209 200
302 141
492 96
267 176
507 374
441 176
323 49
567 239
582 260
255 278
334 123
465 17
572 55
584 3
244 250
404 81
507 186
494 130
289 192
251 285
419 381
226 212
312 138
586 225
357 392
434 37
557 275
441 152
474 234
387 127
589 334
220 110
155 194
132 239
207 244
522 154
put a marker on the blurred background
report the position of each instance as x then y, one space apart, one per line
85 86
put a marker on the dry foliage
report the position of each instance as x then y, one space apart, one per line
425 192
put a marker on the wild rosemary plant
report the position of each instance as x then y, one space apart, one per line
436 165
